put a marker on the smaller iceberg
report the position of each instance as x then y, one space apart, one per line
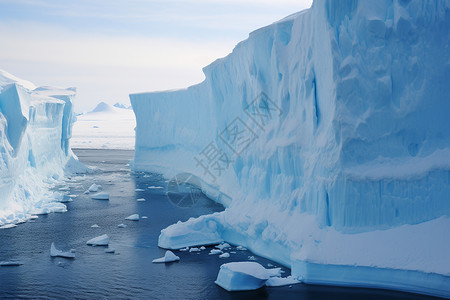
168 257
102 240
55 252
133 217
94 188
101 196
244 276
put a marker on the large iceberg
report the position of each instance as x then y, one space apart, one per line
35 129
326 136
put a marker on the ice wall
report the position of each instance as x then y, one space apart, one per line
332 126
35 126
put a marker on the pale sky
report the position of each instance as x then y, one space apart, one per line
110 48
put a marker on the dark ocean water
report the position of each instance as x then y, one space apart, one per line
129 273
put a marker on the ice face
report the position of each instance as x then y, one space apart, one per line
35 128
328 126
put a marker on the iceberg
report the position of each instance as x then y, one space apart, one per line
55 252
325 135
244 276
133 217
35 129
168 257
102 240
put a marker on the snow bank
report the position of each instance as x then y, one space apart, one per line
326 136
35 129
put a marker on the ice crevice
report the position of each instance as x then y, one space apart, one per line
345 174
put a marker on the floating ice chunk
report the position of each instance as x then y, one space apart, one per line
224 255
33 217
66 198
139 190
223 246
133 217
168 257
202 248
100 196
10 263
155 187
144 217
281 281
242 276
251 257
7 226
215 251
122 225
95 226
194 250
184 249
94 188
241 248
110 250
86 192
140 200
55 252
102 240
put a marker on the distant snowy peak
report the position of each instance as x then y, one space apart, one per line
7 78
103 107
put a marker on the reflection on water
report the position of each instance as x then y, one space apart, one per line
130 272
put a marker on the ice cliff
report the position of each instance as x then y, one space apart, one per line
35 128
326 135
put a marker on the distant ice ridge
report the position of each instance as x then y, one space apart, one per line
342 173
35 129
105 127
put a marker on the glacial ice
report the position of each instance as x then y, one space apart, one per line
102 240
100 196
35 128
331 126
168 257
133 217
94 188
244 276
55 252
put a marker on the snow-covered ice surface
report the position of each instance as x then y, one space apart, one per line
332 129
168 257
105 127
35 128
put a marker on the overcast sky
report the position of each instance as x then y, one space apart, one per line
110 48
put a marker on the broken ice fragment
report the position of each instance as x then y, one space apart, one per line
243 276
224 255
223 246
10 263
55 252
95 226
168 257
94 188
133 217
122 225
279 281
102 240
215 251
140 200
100 196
